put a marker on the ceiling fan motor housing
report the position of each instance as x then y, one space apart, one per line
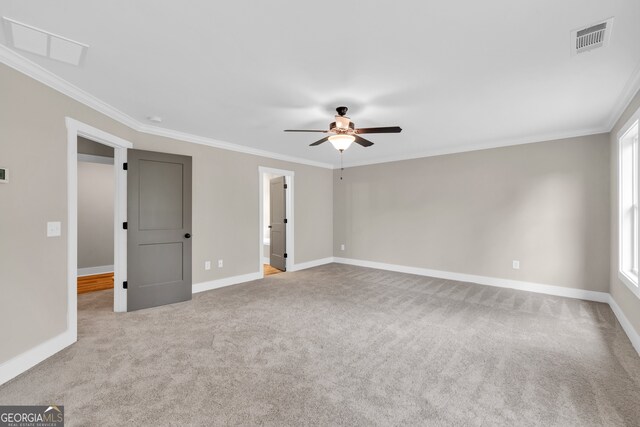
338 127
343 122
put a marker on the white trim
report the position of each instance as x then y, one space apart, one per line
89 271
72 230
211 142
120 146
92 158
634 337
227 281
561 291
30 358
486 145
635 117
288 176
310 264
627 280
483 280
243 278
46 77
596 296
35 71
623 275
624 99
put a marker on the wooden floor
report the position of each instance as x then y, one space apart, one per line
96 282
268 270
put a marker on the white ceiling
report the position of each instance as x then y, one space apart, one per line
454 75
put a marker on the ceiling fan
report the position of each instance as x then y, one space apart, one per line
343 132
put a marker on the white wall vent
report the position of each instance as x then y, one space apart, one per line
591 37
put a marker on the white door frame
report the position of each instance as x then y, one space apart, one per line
288 179
120 146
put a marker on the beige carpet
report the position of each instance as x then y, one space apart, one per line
343 345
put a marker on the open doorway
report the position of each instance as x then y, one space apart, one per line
96 204
107 143
276 220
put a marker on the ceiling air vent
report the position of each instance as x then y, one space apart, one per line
591 37
43 43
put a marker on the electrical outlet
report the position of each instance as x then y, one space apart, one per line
342 247
54 229
516 264
220 264
207 265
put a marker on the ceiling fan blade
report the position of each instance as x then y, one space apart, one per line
388 129
306 130
362 141
319 142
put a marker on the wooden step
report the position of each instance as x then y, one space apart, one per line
95 282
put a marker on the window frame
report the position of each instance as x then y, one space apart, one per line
629 276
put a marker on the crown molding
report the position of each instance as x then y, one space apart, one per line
46 77
481 146
195 139
624 99
35 71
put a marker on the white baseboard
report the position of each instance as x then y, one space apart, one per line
14 367
101 269
227 281
314 263
604 297
634 337
484 280
27 360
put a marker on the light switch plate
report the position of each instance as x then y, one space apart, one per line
54 229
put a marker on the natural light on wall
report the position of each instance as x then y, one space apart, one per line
628 209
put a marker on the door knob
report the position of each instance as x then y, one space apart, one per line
269 226
187 235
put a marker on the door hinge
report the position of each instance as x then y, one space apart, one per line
125 166
125 285
285 186
125 225
285 255
285 220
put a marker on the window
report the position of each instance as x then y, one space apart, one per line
628 209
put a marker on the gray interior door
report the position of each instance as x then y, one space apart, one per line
278 212
158 229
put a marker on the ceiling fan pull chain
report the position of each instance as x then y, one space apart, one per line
341 167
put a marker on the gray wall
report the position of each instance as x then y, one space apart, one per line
86 146
33 268
628 302
545 204
95 214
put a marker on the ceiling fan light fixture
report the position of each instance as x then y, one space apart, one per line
341 142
